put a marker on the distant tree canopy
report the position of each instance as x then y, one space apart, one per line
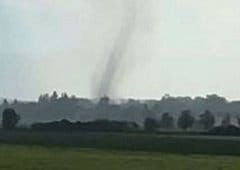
226 120
185 120
58 106
95 126
207 119
167 121
9 119
54 96
150 124
64 96
43 98
5 102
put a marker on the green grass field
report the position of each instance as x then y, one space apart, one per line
17 157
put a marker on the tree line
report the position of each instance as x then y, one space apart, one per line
206 121
185 121
51 107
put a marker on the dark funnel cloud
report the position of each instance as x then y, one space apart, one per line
106 85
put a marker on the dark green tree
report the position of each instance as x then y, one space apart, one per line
167 121
9 119
185 120
150 124
54 96
226 120
5 103
44 98
207 119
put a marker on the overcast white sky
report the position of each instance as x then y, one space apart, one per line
180 47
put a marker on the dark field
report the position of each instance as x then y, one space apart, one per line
177 144
16 157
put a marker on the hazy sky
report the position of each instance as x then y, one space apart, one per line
179 47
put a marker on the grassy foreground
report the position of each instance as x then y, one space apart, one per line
18 157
